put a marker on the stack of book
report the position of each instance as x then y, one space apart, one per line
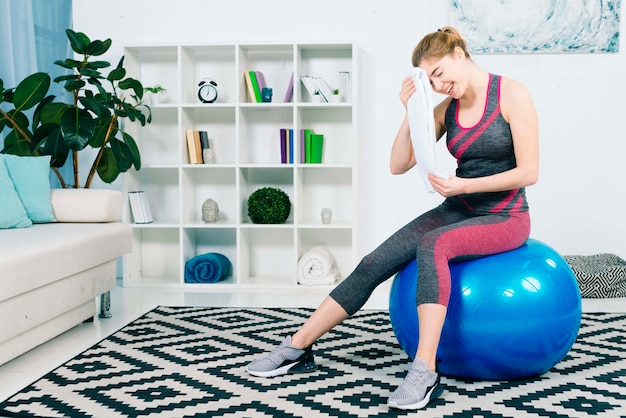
317 86
140 207
255 82
199 147
311 146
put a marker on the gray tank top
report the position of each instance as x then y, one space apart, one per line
483 150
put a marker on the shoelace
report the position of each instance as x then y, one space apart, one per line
414 376
277 356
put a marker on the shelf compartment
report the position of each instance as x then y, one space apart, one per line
155 258
202 182
155 65
322 187
274 61
161 187
335 123
219 123
158 139
215 62
252 179
338 241
325 61
198 241
267 256
259 134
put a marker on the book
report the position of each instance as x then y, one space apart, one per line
289 92
317 148
249 88
140 207
208 153
260 79
194 146
309 85
307 145
255 86
291 146
318 86
283 145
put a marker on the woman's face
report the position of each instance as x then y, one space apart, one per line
447 74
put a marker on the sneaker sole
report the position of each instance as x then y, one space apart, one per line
293 368
433 393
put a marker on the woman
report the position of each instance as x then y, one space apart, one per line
492 131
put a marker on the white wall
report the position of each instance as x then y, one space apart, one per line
578 205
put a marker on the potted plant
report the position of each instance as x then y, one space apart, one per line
39 125
157 94
269 205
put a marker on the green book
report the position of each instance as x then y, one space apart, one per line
317 148
307 145
255 86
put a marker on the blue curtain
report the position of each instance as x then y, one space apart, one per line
32 37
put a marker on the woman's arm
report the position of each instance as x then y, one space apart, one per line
402 154
519 111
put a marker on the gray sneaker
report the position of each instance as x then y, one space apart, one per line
282 360
419 387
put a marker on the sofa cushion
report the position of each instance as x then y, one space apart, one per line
35 256
87 205
13 214
30 176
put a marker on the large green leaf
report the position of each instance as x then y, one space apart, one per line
99 64
31 91
98 47
15 144
131 83
52 112
100 132
68 63
73 85
135 155
20 119
40 107
78 40
56 147
121 152
90 72
107 168
77 127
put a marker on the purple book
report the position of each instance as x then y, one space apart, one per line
283 145
289 92
260 79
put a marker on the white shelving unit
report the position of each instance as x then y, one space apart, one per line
245 137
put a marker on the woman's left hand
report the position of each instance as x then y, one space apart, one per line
449 187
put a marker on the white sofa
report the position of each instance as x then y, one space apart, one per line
52 273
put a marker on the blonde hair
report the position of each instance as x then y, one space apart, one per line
438 45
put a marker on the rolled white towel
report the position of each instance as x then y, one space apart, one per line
317 267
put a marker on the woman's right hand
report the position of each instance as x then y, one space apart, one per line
407 90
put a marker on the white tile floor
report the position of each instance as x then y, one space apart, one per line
128 304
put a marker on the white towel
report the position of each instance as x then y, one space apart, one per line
422 127
317 267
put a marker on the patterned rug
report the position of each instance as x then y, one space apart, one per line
189 362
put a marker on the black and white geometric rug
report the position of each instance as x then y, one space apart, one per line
189 362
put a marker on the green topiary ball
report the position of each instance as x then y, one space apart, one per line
269 205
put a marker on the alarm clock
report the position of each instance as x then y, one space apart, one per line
207 90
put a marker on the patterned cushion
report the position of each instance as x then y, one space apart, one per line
599 275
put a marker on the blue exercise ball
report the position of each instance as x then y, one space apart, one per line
511 315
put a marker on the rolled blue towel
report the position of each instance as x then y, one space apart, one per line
207 268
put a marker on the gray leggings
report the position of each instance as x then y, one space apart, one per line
435 238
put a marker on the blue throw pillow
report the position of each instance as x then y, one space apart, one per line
12 214
31 179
